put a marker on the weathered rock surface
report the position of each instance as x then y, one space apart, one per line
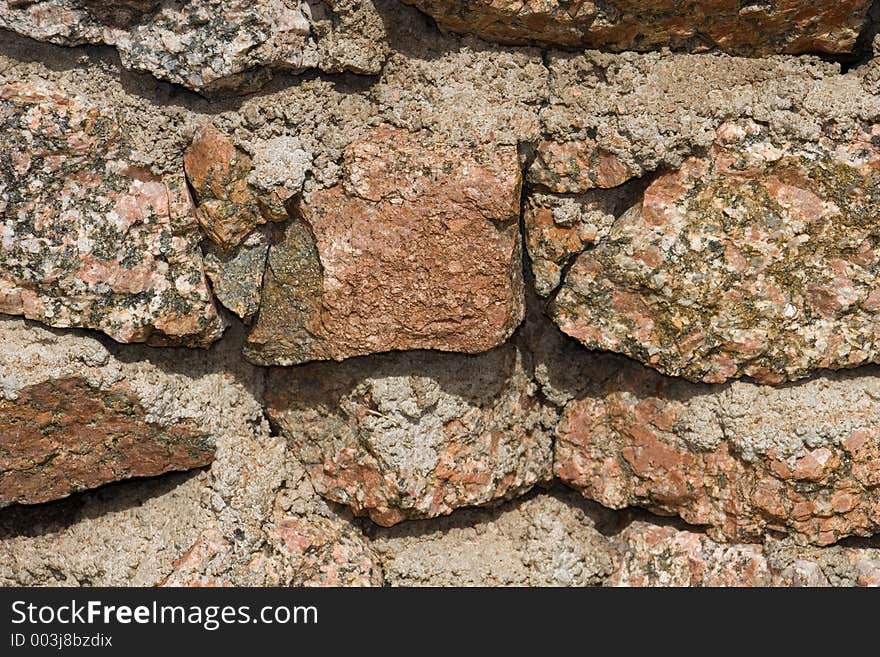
253 518
576 167
648 554
753 28
610 120
551 539
403 436
72 417
652 112
557 228
310 550
218 171
119 535
64 435
87 238
235 193
464 89
212 45
415 435
417 249
741 459
792 565
237 276
757 260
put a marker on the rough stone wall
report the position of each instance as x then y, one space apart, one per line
355 292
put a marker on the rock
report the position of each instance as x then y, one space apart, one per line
87 239
235 193
756 260
268 527
63 435
751 28
742 459
326 552
74 417
557 228
415 435
228 209
237 276
310 551
646 554
794 565
576 167
186 568
251 519
212 45
551 539
124 534
417 249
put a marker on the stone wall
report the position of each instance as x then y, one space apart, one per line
354 292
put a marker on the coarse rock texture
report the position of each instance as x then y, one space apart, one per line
63 435
235 193
558 227
121 535
654 111
252 519
612 122
549 539
218 172
212 45
851 565
646 553
415 435
757 260
752 28
418 248
237 276
742 459
72 416
576 167
89 238
284 182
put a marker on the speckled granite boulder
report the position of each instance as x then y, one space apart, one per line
757 260
87 238
212 45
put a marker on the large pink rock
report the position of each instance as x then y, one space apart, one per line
758 259
64 435
418 248
744 460
73 417
86 238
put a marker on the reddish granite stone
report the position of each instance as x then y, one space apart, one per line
417 249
